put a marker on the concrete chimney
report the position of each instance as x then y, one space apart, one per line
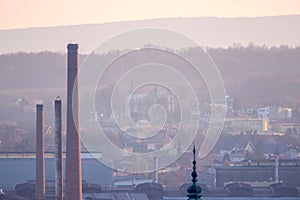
155 170
40 167
276 169
58 151
73 189
276 154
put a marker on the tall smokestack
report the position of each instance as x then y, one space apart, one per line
276 164
276 169
155 171
58 151
73 158
40 168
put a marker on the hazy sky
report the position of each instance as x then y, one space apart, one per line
43 13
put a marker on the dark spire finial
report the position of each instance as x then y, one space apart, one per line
194 152
194 191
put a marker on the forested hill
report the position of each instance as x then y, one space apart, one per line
251 73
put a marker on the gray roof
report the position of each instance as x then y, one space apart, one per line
115 196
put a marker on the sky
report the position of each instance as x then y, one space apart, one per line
17 14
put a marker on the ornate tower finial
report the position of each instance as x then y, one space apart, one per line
194 191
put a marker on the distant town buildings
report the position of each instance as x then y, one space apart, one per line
246 124
138 103
255 138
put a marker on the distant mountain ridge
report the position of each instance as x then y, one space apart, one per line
211 32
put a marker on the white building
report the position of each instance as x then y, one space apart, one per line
263 113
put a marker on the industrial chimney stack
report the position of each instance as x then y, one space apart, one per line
58 151
73 187
40 167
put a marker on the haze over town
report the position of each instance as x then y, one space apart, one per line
153 82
